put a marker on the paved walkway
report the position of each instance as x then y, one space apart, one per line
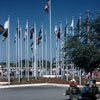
33 93
42 91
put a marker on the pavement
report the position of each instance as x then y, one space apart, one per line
36 92
40 91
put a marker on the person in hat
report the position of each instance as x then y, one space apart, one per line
94 84
86 91
73 83
86 87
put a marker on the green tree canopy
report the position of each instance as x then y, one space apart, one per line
84 49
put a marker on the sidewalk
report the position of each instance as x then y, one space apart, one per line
31 85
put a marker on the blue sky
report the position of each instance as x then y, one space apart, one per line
33 10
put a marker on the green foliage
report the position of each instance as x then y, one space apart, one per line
84 49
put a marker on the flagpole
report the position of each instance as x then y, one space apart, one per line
42 51
25 61
56 51
18 55
32 57
27 55
19 52
46 51
32 65
61 53
72 35
6 55
58 58
40 62
80 77
39 57
50 40
35 58
21 48
8 50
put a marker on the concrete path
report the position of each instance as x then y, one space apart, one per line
33 93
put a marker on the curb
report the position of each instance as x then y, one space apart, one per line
34 85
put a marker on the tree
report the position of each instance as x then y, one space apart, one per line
84 49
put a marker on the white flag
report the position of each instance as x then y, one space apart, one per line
72 24
55 30
6 25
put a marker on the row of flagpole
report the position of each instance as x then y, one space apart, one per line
35 53
35 69
35 56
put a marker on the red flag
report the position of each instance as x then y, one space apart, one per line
31 32
1 29
86 25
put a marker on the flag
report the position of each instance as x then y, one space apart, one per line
6 25
32 46
39 37
15 39
86 22
47 6
38 40
66 31
31 32
5 35
26 32
55 30
78 25
1 29
40 32
72 25
18 30
59 32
